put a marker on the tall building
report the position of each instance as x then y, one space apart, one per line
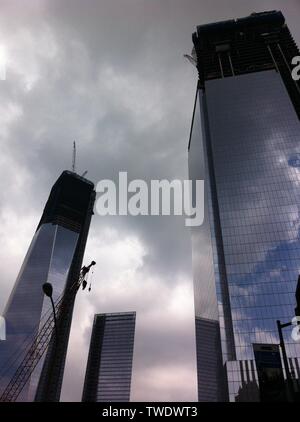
109 366
55 256
244 143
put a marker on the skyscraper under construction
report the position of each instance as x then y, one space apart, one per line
54 256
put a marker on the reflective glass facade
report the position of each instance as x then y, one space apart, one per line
49 259
211 382
245 144
109 367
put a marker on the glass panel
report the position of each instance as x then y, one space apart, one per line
48 259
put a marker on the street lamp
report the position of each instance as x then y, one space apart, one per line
280 326
48 291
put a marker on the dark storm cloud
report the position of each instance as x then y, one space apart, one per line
111 75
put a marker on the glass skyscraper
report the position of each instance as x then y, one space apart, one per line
245 144
54 256
109 367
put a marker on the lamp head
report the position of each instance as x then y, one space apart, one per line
48 289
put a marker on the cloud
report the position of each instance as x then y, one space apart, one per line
164 325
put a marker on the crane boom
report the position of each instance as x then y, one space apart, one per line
31 359
38 346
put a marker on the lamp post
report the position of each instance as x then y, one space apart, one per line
280 326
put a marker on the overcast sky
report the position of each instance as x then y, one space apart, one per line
111 75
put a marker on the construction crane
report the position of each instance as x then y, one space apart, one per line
40 342
192 58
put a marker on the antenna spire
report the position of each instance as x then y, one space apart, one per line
74 158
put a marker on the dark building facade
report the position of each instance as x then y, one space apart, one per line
54 256
244 143
109 366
